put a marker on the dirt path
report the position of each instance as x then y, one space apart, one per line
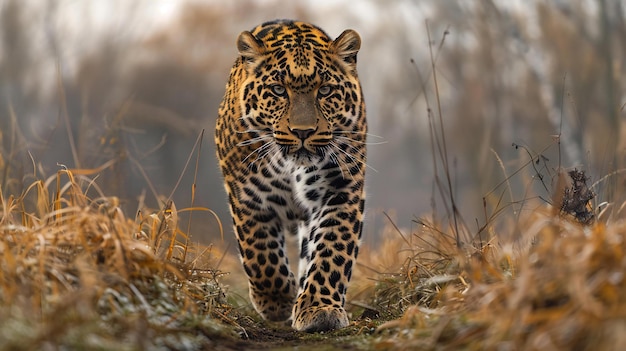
262 335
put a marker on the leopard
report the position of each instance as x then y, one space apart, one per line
291 143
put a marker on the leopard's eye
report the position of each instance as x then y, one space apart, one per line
278 89
324 90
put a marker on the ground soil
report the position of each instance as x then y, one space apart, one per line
261 335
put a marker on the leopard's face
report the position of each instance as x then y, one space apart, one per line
290 140
299 98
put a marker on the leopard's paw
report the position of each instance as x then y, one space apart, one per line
318 319
272 308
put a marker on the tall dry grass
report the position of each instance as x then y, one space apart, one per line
561 287
76 273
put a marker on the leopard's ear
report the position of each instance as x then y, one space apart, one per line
346 46
249 46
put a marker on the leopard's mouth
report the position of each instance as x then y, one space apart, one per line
302 154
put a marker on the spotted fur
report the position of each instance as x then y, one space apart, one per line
291 146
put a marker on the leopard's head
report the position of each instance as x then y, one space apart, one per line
300 91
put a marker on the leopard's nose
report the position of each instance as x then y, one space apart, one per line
303 133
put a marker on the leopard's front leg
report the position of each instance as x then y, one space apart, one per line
260 231
272 286
329 248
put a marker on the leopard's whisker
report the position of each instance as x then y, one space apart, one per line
258 131
354 159
359 141
335 159
251 129
258 151
351 157
273 160
263 154
254 140
358 133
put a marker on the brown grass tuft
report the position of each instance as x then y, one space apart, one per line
564 289
76 273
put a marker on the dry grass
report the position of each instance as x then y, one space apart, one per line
76 273
563 290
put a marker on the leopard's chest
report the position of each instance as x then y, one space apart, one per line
293 192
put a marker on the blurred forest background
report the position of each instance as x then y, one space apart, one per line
127 86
